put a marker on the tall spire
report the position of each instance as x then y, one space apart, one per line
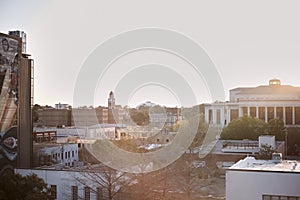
111 100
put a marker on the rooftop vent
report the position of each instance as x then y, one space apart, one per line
276 157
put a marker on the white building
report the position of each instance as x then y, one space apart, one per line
62 106
263 180
265 102
65 183
89 182
46 154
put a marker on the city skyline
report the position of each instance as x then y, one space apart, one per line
249 43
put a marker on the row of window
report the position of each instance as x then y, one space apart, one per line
263 112
67 155
279 197
87 193
267 98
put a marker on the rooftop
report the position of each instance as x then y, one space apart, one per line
250 163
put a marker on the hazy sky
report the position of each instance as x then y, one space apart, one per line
249 42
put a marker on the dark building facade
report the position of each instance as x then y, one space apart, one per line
54 117
16 97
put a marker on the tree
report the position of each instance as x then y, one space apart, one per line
15 186
276 127
140 117
109 182
201 132
251 128
35 109
244 128
265 152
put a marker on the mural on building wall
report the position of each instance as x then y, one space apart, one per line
9 51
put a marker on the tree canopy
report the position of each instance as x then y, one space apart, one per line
251 128
140 117
15 186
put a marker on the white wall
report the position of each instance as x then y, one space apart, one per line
251 185
267 140
56 151
64 180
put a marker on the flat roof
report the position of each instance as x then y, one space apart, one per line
239 146
251 164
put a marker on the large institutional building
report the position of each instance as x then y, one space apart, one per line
264 102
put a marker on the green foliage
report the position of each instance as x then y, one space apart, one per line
265 152
276 127
193 121
35 110
140 117
244 128
251 128
15 186
201 132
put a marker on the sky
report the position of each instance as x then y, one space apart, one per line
249 43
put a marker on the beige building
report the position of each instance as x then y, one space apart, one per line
54 117
265 102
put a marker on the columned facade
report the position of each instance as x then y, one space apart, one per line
224 113
265 102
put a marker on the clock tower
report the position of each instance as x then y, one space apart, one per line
111 100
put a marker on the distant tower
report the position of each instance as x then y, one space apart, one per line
22 35
111 100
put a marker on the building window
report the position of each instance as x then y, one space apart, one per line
99 193
297 115
253 111
279 197
69 154
87 194
74 192
289 115
279 113
73 154
66 155
234 114
245 110
270 111
261 113
210 116
53 192
218 116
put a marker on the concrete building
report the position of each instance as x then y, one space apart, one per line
251 179
49 154
90 182
89 116
54 117
62 106
265 102
166 120
102 114
65 182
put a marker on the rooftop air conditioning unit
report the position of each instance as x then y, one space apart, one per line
276 157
